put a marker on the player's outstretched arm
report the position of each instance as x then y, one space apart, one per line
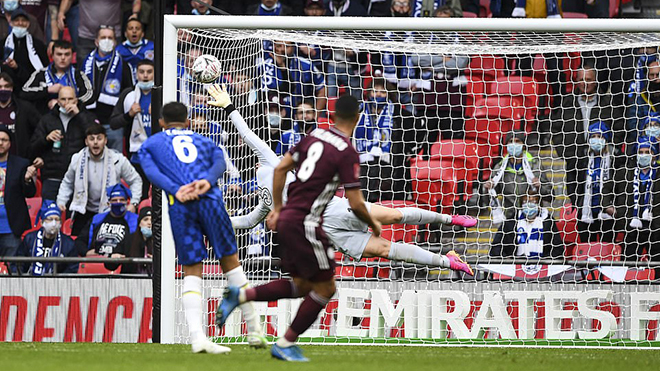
356 201
222 99
279 179
250 220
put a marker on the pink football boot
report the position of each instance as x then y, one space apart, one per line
463 220
457 264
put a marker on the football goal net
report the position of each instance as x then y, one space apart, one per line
544 130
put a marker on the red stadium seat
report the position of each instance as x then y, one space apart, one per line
96 268
436 181
144 203
475 89
614 8
598 251
324 123
469 15
3 269
484 8
398 232
486 67
519 88
34 205
573 15
67 228
332 101
567 224
488 134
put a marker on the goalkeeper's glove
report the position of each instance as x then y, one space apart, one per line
220 96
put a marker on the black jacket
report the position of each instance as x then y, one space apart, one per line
56 164
35 89
21 74
25 123
16 190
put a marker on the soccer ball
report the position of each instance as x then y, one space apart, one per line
206 68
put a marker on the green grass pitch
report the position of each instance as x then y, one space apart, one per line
146 357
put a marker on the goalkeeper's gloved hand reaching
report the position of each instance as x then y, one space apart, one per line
220 96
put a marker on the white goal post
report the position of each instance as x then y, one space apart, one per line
409 305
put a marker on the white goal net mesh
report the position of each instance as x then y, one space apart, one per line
549 139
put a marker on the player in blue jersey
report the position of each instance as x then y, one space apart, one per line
187 166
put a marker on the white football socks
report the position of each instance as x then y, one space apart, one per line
236 277
192 306
415 254
415 216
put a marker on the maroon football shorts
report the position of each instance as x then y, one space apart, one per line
305 250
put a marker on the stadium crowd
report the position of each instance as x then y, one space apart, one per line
75 106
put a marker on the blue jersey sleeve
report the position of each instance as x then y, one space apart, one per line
153 173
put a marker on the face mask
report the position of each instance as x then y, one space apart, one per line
19 32
653 131
118 208
644 159
274 120
10 5
514 149
196 12
106 46
5 95
146 232
129 43
530 209
597 144
51 226
145 85
63 111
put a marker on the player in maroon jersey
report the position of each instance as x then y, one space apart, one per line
323 160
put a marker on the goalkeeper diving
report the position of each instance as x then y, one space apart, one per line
346 231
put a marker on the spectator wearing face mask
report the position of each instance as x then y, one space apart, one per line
133 110
639 200
108 233
140 246
135 48
59 135
109 75
512 176
48 241
595 189
23 53
532 234
8 7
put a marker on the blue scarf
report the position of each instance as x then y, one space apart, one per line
111 85
369 135
68 79
637 86
38 250
275 11
595 172
645 180
145 102
132 54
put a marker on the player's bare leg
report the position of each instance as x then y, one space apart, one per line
192 306
236 277
319 296
400 251
417 216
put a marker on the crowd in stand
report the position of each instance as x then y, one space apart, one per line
75 106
